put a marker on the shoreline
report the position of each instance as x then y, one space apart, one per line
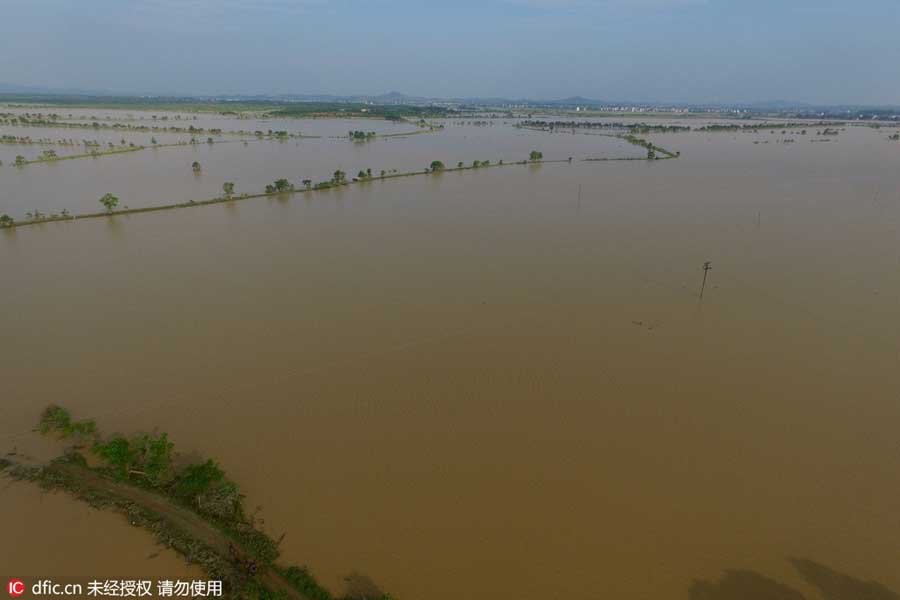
304 190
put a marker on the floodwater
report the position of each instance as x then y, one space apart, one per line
482 385
156 176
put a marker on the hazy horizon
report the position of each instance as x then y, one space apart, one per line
679 51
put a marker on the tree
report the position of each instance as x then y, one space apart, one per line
6 221
109 202
20 160
228 188
651 154
282 185
307 183
437 165
459 165
361 175
535 155
195 166
339 177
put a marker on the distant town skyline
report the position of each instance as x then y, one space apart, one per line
673 51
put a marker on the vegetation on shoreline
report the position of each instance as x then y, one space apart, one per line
361 136
53 120
338 179
398 112
48 156
594 125
652 149
764 126
193 508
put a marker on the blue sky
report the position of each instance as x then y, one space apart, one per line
824 51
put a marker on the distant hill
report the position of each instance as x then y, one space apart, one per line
41 93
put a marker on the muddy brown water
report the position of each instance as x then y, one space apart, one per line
164 175
474 385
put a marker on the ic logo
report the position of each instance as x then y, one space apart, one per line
15 587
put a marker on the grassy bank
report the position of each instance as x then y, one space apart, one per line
192 508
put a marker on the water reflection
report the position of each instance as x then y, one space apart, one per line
750 585
834 585
360 587
743 585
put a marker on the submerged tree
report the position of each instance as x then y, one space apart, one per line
437 165
228 188
20 160
195 166
6 221
280 185
109 202
535 155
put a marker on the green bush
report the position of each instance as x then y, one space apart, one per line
56 419
154 457
118 455
194 480
305 583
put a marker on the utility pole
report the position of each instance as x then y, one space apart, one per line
707 267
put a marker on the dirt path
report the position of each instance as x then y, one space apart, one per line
183 519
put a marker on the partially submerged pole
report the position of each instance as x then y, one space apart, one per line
707 266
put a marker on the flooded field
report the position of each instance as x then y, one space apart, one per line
158 176
492 383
